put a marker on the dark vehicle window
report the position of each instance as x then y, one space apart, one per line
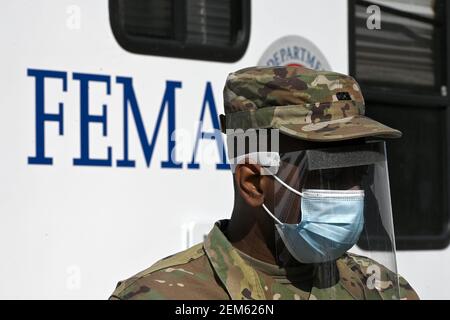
402 69
216 30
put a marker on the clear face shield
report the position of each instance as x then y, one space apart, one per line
328 202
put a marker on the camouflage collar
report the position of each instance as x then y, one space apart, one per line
242 282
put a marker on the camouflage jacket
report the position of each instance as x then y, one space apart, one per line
215 270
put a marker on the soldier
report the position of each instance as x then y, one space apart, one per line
301 201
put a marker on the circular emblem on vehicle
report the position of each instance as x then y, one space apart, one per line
296 51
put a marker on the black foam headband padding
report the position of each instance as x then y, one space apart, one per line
348 156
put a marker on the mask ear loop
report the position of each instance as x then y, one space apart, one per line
270 214
286 186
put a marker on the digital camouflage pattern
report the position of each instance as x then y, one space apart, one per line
215 270
300 102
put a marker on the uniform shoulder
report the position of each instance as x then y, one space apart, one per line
165 271
367 267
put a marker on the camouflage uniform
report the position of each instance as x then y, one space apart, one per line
305 104
215 270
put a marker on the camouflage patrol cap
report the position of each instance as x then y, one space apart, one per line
300 102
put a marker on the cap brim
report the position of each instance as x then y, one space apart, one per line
339 129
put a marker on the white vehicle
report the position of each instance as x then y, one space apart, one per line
99 98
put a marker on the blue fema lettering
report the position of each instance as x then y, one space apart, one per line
86 118
129 98
129 104
216 135
41 116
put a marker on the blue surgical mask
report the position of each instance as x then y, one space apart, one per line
331 222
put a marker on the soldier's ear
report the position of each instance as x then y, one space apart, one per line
248 180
